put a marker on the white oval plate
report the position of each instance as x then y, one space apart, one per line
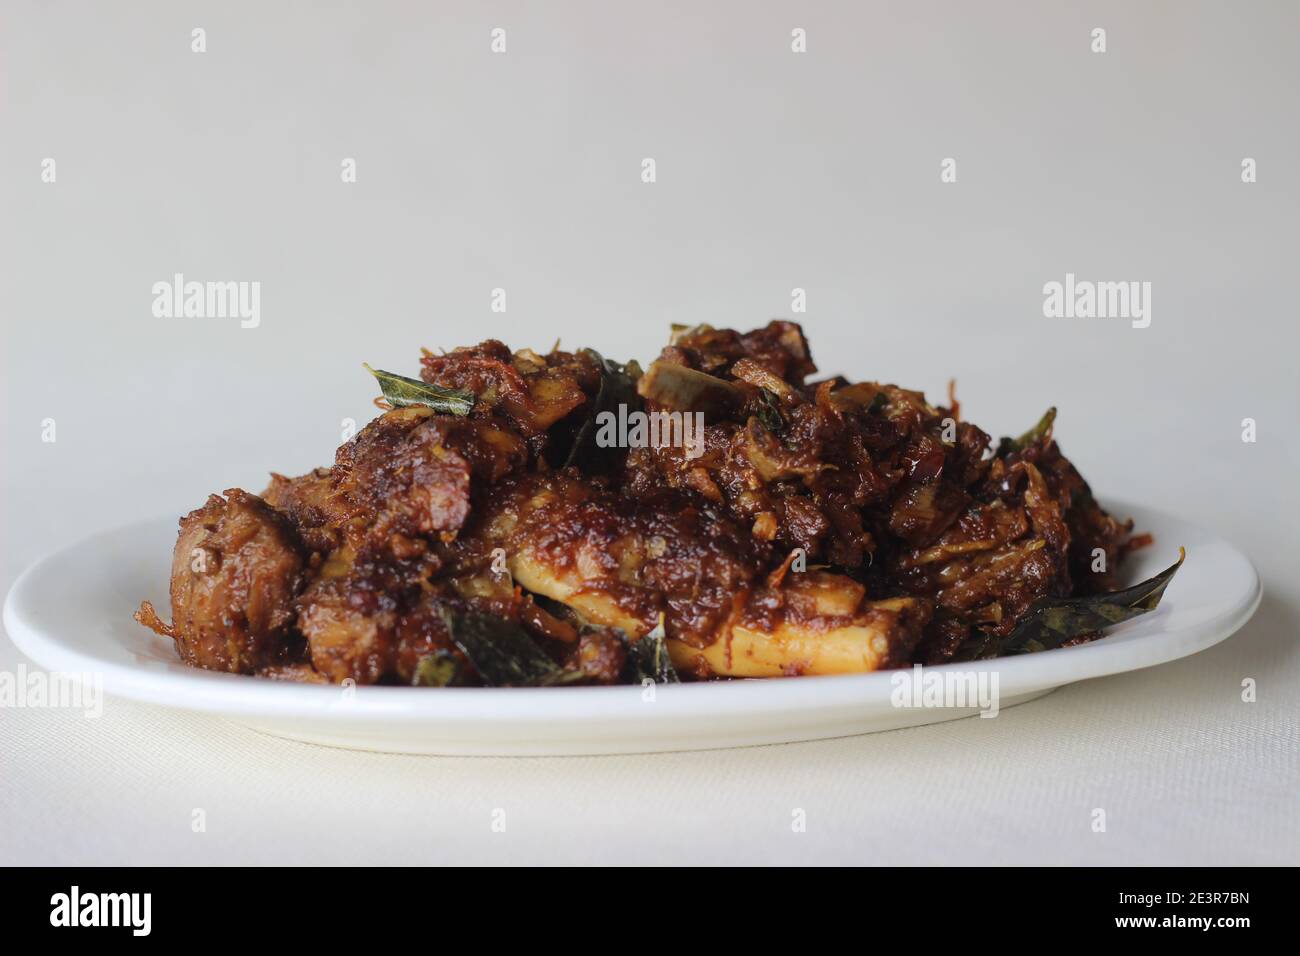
71 613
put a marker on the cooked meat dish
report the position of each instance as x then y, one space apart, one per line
515 518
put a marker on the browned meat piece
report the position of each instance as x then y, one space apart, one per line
778 347
237 568
1090 529
811 467
599 654
631 559
876 482
373 620
355 617
294 673
532 391
399 476
312 504
621 563
406 475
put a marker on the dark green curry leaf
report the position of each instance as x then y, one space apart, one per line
769 412
1040 431
440 669
400 392
502 652
617 387
648 658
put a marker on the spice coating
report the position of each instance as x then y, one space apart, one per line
821 526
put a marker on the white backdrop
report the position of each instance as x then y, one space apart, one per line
775 170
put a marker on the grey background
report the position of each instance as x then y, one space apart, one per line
775 170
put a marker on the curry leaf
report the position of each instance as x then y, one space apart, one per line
648 658
400 392
769 412
502 652
439 669
617 387
1037 433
